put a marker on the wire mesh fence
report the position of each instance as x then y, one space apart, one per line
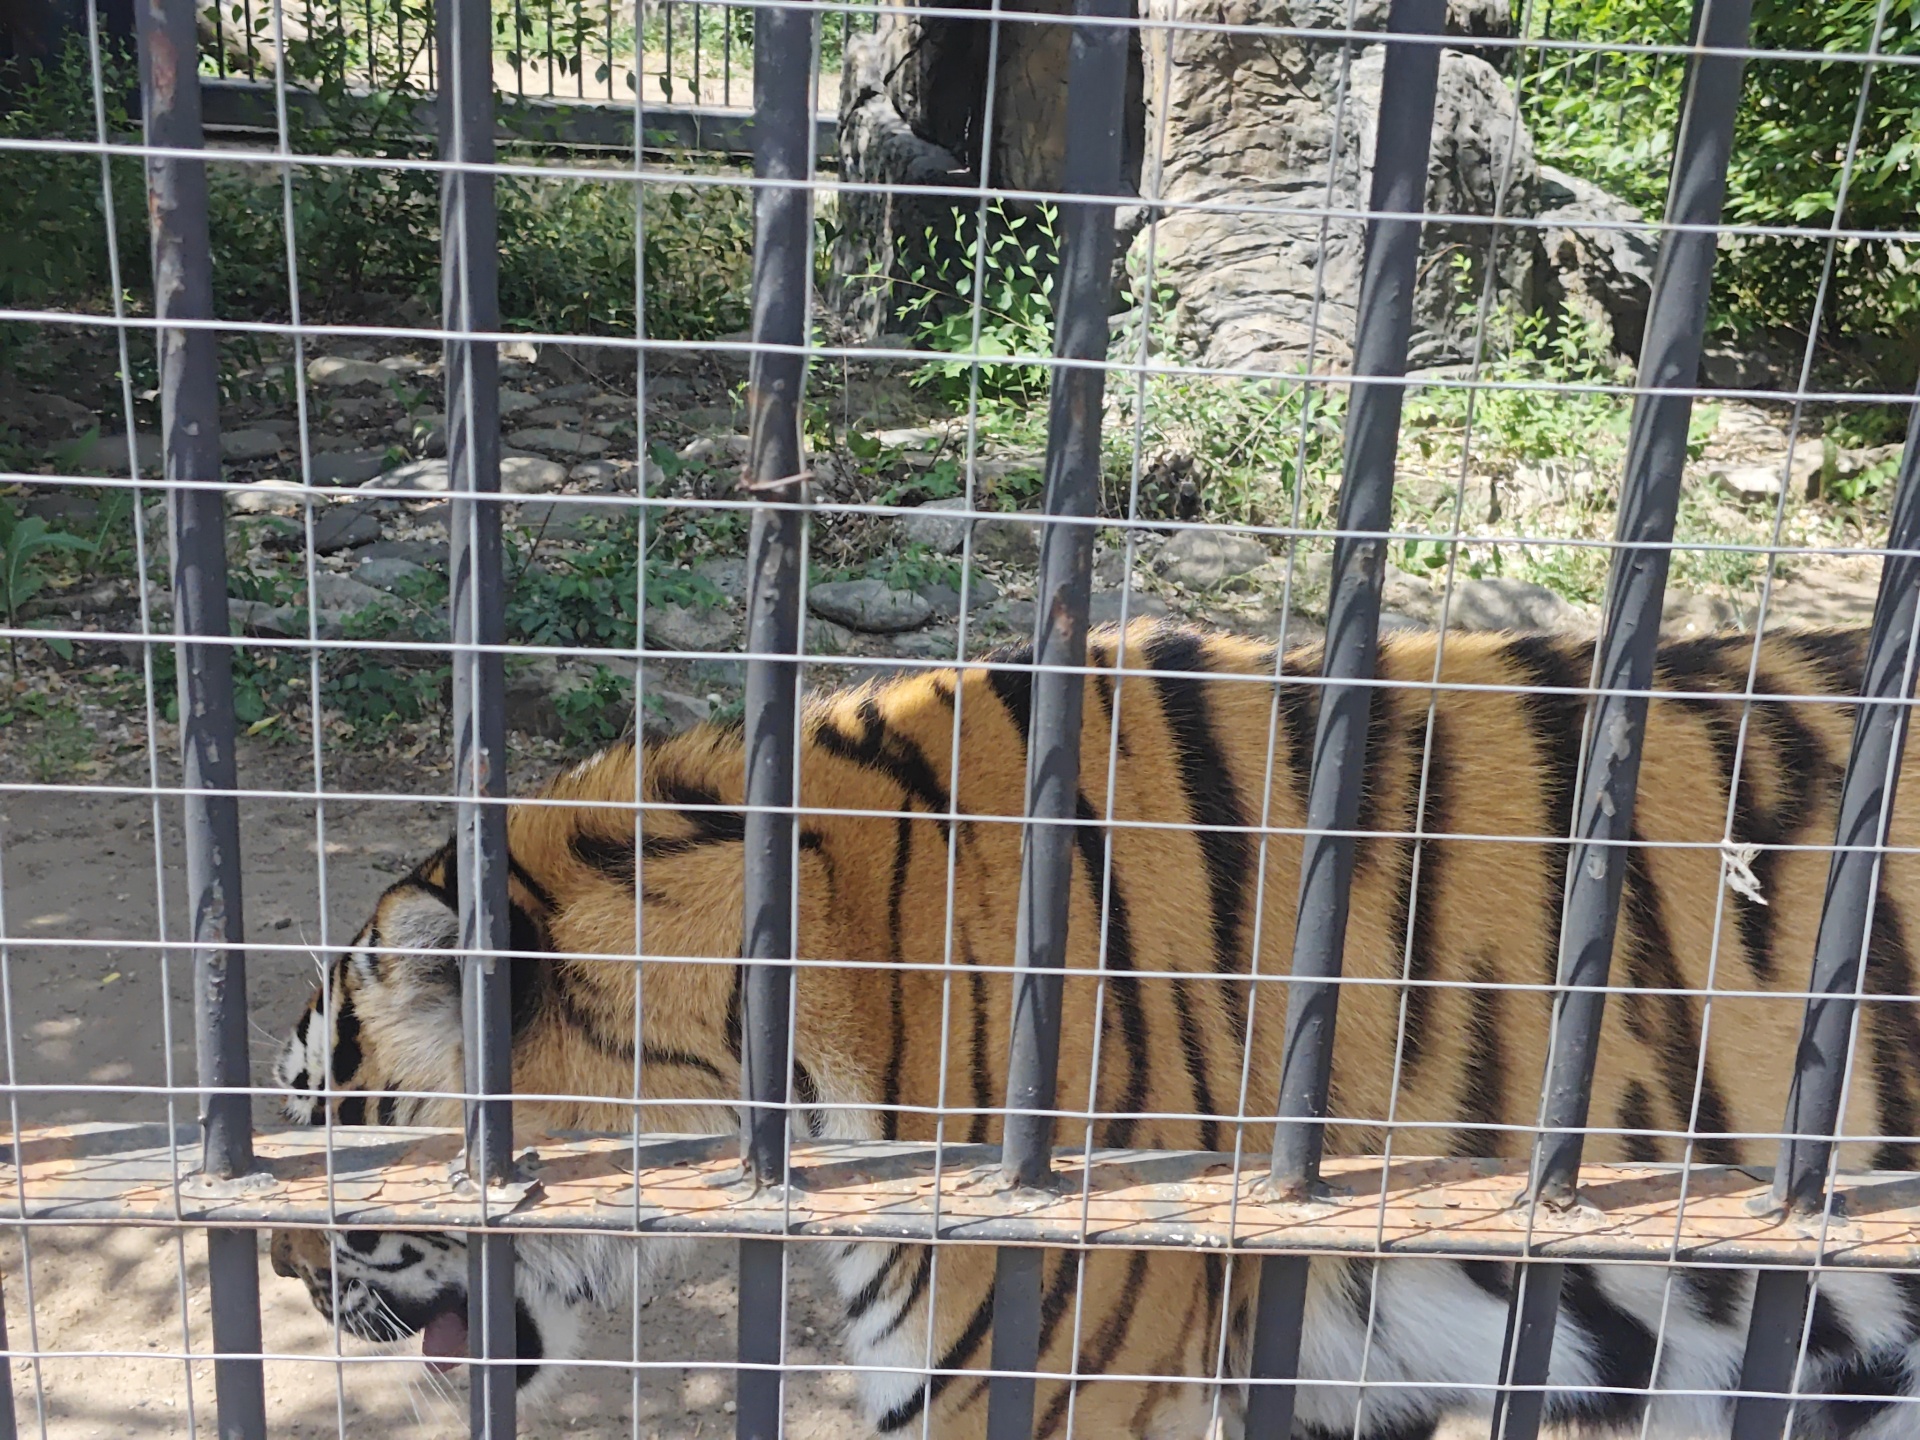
1192 729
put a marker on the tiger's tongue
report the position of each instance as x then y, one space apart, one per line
444 1341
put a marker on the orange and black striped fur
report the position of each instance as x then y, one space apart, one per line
1169 918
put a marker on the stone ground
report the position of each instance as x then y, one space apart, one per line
81 867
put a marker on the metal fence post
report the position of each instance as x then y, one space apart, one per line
190 439
1600 848
1409 83
470 304
783 215
1839 954
1096 81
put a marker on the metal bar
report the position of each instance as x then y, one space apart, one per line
1650 493
1839 953
1774 1331
469 302
1409 82
7 1430
783 218
398 1177
190 439
1096 91
241 107
1624 656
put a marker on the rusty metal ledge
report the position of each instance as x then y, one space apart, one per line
688 1185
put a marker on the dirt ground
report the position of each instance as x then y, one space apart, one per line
81 867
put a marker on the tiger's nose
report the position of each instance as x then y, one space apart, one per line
280 1251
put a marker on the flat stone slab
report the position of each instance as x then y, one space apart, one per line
250 444
870 605
347 467
566 444
336 372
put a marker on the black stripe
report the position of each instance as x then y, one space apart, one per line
384 1112
1483 1079
808 1094
1716 1292
1106 1341
1636 1113
956 1357
1124 987
1554 722
662 1055
886 751
864 1298
1795 770
1655 980
1863 1389
1839 655
896 994
1299 705
977 1059
1423 945
1014 690
1622 1350
734 1002
346 1040
1893 1033
353 1110
1488 1276
533 887
1211 800
916 1287
1827 1333
1368 820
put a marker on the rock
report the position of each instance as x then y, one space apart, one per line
1008 540
568 444
715 450
869 605
1751 484
63 508
669 712
422 476
1683 615
530 475
939 642
556 519
517 402
333 372
387 572
107 455
1553 481
554 415
269 497
1246 112
1502 603
945 599
1603 272
1203 559
681 627
343 526
528 693
250 444
416 552
824 637
347 467
425 431
933 526
339 592
1724 368
603 474
53 417
1105 606
727 574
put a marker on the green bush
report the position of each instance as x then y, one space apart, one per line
1610 117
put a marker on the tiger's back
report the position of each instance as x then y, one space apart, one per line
1192 798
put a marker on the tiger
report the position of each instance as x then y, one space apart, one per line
1196 748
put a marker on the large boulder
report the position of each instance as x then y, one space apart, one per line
1262 123
1599 257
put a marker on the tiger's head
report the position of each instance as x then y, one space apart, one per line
379 1043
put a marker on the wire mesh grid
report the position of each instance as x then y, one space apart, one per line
1152 532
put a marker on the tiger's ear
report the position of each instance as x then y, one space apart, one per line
412 917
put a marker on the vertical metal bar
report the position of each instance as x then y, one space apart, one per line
470 303
1630 633
1096 90
7 1431
1409 81
782 136
190 438
1840 950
